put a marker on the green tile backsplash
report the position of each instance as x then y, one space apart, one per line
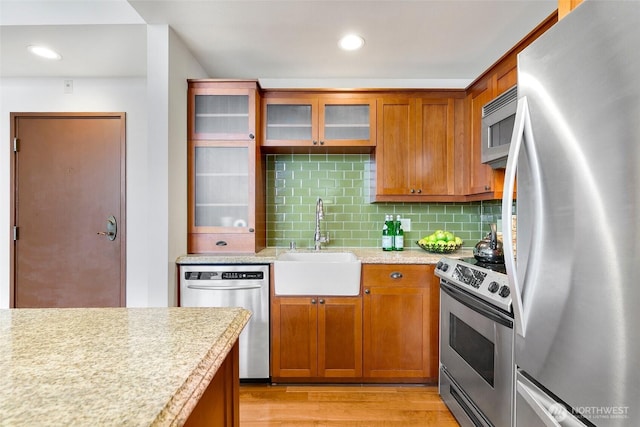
294 183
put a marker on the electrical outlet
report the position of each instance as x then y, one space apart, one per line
406 224
68 86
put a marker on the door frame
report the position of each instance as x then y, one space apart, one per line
12 182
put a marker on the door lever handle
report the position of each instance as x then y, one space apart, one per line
112 229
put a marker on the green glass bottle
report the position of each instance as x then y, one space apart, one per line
387 233
398 235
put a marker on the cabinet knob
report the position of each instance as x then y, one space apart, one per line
251 230
252 136
487 187
321 142
412 191
396 275
419 190
313 300
321 301
221 243
367 291
315 142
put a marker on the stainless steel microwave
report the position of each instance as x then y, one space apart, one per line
498 118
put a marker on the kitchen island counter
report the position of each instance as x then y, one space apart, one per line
366 255
111 366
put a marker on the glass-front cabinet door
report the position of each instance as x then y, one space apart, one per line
291 122
225 187
349 122
222 114
221 187
320 122
221 198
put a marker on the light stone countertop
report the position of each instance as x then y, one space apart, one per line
110 366
366 256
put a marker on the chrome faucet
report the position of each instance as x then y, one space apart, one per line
318 238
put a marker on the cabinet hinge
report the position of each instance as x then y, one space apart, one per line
15 232
15 144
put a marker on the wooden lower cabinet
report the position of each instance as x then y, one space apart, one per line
400 323
315 338
387 335
219 406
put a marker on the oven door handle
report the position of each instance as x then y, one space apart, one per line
476 305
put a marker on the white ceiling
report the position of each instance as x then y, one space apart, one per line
409 43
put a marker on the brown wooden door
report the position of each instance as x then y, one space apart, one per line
340 337
397 329
396 332
396 148
435 140
294 337
68 180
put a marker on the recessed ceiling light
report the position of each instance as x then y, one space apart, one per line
351 42
44 52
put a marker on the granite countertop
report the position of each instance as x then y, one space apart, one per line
366 255
110 366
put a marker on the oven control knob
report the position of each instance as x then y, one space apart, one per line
445 267
493 287
504 292
439 265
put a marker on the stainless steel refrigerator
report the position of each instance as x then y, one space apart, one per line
576 280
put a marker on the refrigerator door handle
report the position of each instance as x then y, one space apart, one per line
538 407
520 126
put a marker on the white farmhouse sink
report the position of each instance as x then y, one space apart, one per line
317 273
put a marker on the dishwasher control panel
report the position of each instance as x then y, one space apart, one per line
224 275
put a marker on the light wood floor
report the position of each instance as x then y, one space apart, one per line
337 405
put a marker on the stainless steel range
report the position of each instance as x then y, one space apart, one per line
476 342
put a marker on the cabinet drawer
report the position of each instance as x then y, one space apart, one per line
212 243
396 275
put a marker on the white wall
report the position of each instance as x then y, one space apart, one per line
156 158
169 64
182 66
108 95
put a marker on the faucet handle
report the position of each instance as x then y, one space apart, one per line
325 238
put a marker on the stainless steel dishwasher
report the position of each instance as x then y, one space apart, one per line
235 285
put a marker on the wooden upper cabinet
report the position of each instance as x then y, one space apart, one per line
225 179
396 149
566 6
480 175
306 123
222 110
483 182
435 143
415 155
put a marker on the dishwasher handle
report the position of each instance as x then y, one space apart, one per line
223 288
